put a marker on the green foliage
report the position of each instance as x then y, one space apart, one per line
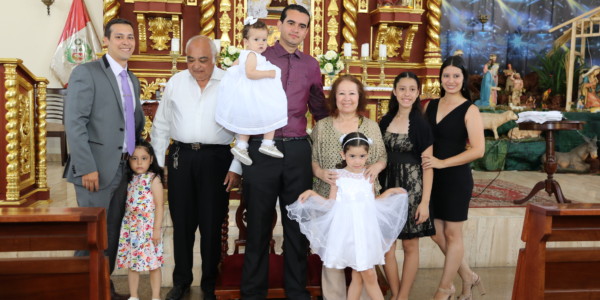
552 71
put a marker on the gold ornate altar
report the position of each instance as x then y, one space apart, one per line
410 29
23 128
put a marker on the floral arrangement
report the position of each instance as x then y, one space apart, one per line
330 63
229 55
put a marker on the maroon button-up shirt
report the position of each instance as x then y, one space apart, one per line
301 79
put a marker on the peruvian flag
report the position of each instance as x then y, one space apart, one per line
78 43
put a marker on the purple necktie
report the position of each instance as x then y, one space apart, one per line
129 119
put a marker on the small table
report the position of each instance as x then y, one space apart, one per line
550 185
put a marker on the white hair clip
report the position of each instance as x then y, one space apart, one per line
342 138
250 20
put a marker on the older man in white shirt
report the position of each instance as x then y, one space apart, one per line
200 167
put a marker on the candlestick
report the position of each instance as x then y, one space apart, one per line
364 60
174 45
382 61
347 49
347 59
382 51
364 50
174 56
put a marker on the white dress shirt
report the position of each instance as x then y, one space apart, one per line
187 114
116 68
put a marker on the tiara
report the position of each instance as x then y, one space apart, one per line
250 20
368 140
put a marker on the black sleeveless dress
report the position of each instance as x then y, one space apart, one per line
452 187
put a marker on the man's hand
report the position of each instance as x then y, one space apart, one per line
232 180
90 181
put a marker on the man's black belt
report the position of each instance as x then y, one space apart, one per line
198 146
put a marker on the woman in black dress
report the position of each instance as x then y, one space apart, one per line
454 120
407 135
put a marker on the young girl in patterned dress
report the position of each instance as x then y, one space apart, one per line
140 242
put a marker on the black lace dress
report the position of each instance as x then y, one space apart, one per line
404 170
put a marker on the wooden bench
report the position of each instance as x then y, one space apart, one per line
47 277
559 273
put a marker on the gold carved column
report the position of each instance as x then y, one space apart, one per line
350 31
23 128
207 22
433 53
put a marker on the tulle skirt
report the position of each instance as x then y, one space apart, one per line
351 234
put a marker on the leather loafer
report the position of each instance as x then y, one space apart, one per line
177 292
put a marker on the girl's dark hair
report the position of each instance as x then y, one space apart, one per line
257 25
154 167
353 139
331 99
457 61
394 106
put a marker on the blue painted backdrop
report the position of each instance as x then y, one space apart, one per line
517 30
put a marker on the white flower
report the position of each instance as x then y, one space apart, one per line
330 55
227 61
232 50
339 65
328 68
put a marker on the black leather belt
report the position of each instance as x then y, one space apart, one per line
124 156
403 158
281 138
198 146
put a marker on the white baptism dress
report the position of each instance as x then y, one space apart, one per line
354 229
251 106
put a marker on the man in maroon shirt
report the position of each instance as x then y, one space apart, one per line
269 178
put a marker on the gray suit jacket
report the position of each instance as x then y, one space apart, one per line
94 121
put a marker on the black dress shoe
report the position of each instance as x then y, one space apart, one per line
177 292
210 297
115 296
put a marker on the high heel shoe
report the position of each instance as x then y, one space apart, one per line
476 283
447 292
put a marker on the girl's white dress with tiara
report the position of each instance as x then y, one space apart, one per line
354 229
248 106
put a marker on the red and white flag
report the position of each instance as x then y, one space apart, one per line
78 43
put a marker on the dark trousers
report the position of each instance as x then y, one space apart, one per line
197 199
264 181
112 198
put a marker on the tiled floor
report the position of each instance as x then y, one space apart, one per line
498 280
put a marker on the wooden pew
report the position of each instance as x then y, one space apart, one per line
47 277
559 273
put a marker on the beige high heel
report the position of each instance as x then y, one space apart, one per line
448 292
480 288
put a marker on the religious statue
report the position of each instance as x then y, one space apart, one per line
517 89
488 90
589 89
493 69
508 72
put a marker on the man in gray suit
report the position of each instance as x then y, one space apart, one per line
103 119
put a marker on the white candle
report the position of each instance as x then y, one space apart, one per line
382 51
364 50
218 45
347 49
175 44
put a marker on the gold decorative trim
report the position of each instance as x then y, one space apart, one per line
372 108
239 11
382 108
160 28
207 22
147 128
143 46
431 88
391 36
332 26
148 89
349 31
26 133
175 21
410 37
432 43
317 28
225 22
12 147
363 6
41 177
110 10
191 3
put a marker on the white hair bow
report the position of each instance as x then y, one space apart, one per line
250 20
